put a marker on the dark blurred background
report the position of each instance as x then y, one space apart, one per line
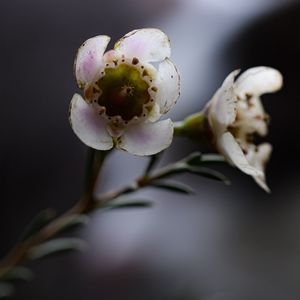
225 243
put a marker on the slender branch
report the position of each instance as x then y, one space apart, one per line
140 182
85 205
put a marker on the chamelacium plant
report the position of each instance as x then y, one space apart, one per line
124 96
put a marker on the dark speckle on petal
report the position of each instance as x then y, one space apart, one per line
135 61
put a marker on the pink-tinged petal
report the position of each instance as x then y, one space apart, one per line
89 59
111 55
168 86
258 157
148 45
257 81
234 154
147 138
88 125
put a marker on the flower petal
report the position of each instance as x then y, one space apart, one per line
148 45
223 105
147 138
88 125
258 157
88 61
258 81
168 86
234 154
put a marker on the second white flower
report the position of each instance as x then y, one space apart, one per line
235 115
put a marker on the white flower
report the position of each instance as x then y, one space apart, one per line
125 95
235 115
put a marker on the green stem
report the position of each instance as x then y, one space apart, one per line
196 128
95 160
191 125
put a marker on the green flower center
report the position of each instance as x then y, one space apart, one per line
124 92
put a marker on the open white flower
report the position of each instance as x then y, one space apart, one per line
125 95
235 115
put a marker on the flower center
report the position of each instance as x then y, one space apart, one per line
124 92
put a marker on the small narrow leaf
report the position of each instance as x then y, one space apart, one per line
57 246
175 186
38 222
198 159
182 167
175 169
209 173
79 220
193 159
130 189
129 204
6 290
19 274
212 158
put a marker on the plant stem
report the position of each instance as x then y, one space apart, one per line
87 204
196 128
139 183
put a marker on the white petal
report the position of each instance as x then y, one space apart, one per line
258 158
168 86
234 154
258 81
222 107
147 45
88 125
89 58
261 181
147 138
225 108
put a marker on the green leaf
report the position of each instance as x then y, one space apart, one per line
175 169
79 220
6 290
19 274
212 158
209 173
198 159
129 189
182 167
175 186
193 159
57 246
38 222
129 204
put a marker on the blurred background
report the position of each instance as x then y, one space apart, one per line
225 243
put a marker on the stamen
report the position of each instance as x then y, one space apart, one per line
124 92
